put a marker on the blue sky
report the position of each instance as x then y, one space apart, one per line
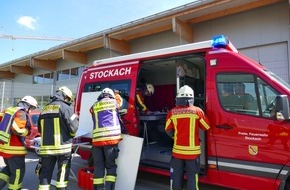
66 19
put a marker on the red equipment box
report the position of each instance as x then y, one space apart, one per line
85 178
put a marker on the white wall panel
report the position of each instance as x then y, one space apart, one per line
273 56
256 27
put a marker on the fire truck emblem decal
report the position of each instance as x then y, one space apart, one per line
253 150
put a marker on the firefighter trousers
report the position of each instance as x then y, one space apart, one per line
180 166
13 172
105 161
47 167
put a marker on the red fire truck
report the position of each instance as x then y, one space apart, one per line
248 145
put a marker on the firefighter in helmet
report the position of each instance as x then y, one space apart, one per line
13 128
58 125
118 98
182 124
107 131
147 90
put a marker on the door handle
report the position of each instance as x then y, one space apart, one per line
227 127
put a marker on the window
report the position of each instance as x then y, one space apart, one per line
122 86
245 94
43 78
237 93
69 73
267 98
76 72
63 74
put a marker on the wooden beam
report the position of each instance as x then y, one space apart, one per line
78 57
203 18
43 64
170 16
21 70
148 32
6 68
182 29
6 75
231 11
117 45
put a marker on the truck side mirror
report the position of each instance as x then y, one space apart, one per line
281 108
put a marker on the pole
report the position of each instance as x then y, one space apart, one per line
2 101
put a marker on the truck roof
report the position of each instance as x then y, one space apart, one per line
156 53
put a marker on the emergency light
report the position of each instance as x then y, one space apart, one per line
222 41
219 41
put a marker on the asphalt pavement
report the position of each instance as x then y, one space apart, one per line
145 181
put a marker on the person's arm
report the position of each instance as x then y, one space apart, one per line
141 103
122 125
72 120
169 127
19 124
203 120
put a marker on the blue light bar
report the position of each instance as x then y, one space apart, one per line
220 41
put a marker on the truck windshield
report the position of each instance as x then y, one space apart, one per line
122 88
280 80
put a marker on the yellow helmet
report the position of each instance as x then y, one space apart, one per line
67 92
185 92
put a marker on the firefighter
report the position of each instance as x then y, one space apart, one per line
13 128
106 136
182 124
118 98
58 125
147 90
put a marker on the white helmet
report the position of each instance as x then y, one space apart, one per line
66 91
185 92
30 100
150 88
108 91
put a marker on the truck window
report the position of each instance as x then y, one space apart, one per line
241 94
267 97
237 93
123 88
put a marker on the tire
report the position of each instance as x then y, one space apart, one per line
36 145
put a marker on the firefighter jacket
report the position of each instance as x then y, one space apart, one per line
182 124
13 128
140 101
57 125
106 119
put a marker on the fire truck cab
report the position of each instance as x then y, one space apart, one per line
248 144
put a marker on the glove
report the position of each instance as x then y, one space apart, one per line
38 167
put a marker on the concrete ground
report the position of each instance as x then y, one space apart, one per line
145 181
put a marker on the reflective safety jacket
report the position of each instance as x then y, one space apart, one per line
140 101
182 124
13 128
57 125
106 129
